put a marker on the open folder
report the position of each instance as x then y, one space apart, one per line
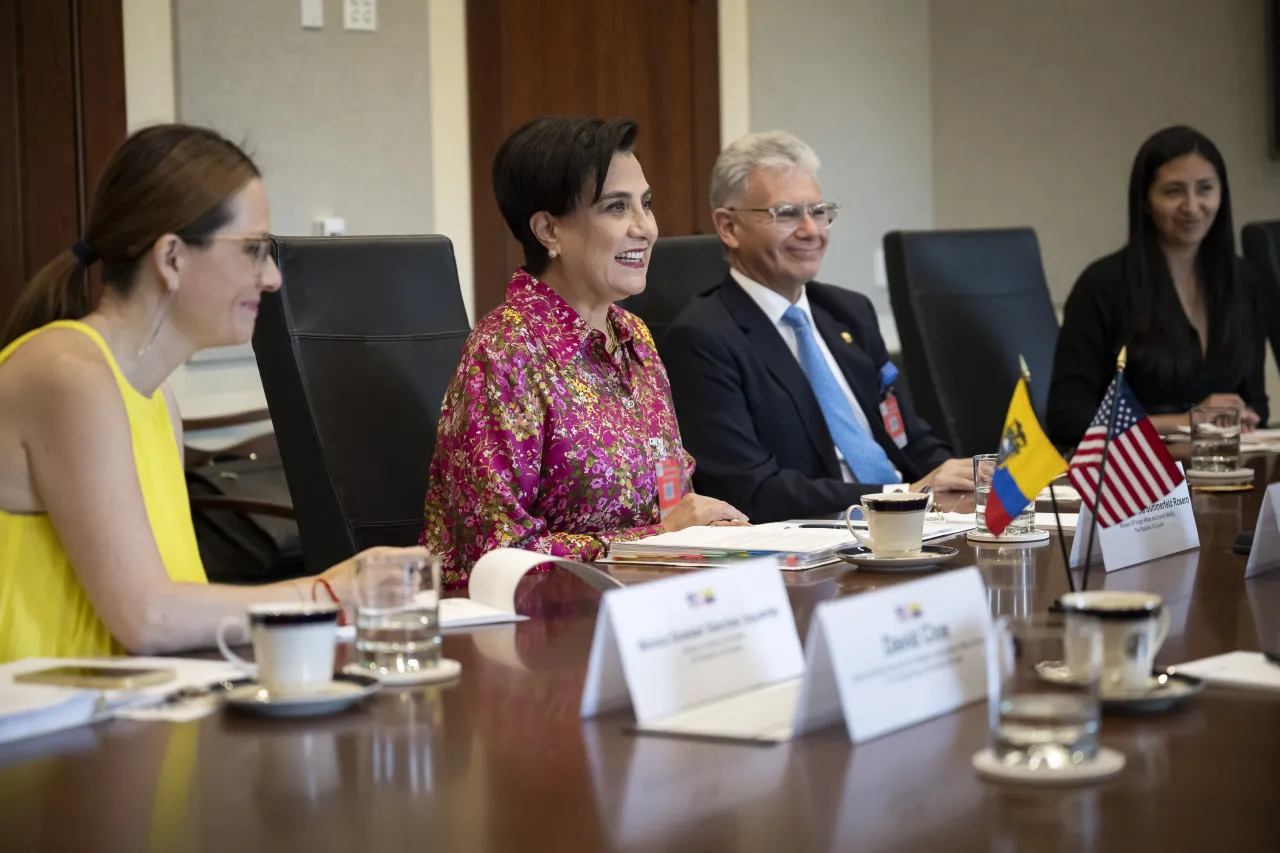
793 545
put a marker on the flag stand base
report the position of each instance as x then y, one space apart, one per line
1016 539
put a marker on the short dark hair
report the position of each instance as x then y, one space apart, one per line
547 164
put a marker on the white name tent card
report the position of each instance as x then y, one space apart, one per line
712 653
1264 555
892 658
1166 527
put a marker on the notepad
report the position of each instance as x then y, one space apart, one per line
799 547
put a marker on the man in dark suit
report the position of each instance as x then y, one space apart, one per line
782 385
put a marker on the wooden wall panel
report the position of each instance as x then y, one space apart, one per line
62 115
655 62
48 119
12 250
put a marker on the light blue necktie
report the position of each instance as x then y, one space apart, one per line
866 458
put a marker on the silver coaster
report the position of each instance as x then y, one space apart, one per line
1239 475
1020 538
1107 765
446 670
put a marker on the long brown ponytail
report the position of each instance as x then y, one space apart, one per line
167 179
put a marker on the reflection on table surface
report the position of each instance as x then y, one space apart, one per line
500 761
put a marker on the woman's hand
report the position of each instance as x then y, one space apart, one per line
954 475
698 511
341 578
1249 419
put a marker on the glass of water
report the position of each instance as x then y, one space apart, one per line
1043 691
984 468
397 612
1215 438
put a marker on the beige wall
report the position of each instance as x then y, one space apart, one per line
851 78
1039 108
339 121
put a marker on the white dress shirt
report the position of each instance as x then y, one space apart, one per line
774 305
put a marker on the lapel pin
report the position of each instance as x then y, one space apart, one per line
846 337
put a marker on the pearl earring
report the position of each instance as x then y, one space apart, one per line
552 253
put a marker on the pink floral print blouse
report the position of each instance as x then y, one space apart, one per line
546 440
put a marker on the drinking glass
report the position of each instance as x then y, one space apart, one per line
984 468
1215 438
1044 713
397 620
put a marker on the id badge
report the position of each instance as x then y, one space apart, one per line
893 420
669 475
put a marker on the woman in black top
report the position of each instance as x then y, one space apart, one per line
1177 295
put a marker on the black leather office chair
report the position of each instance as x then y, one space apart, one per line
679 269
355 353
1261 244
967 304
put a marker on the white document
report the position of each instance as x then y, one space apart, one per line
1046 521
1166 527
712 653
28 710
955 523
776 537
892 658
1246 670
1264 554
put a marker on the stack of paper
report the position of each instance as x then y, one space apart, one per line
801 544
1245 670
1258 441
30 710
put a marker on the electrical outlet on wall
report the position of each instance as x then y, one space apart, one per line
313 14
879 272
360 15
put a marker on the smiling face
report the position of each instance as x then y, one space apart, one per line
221 283
780 259
603 247
1184 199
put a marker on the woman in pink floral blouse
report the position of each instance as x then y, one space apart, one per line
560 411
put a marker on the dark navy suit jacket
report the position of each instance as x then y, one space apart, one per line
749 416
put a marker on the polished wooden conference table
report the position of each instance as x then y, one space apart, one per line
499 761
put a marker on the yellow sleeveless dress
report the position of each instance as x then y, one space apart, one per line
44 610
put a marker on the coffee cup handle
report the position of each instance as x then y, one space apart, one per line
232 657
1162 627
867 541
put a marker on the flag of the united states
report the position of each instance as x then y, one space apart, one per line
1140 470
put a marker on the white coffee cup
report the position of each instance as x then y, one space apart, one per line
895 522
293 643
1134 626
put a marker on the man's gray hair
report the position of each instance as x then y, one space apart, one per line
774 149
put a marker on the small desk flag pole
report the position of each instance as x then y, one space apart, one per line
1102 467
1053 496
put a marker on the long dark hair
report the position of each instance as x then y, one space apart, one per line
168 179
1154 319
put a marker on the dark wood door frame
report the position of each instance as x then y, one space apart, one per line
603 57
62 115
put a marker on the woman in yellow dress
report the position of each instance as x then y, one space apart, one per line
97 551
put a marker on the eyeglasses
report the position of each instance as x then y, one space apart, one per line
787 217
259 247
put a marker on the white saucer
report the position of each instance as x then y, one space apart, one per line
338 695
1164 691
1019 539
928 557
446 670
1109 763
1238 475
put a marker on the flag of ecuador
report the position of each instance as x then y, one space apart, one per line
1028 462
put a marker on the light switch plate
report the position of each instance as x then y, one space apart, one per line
360 15
313 14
